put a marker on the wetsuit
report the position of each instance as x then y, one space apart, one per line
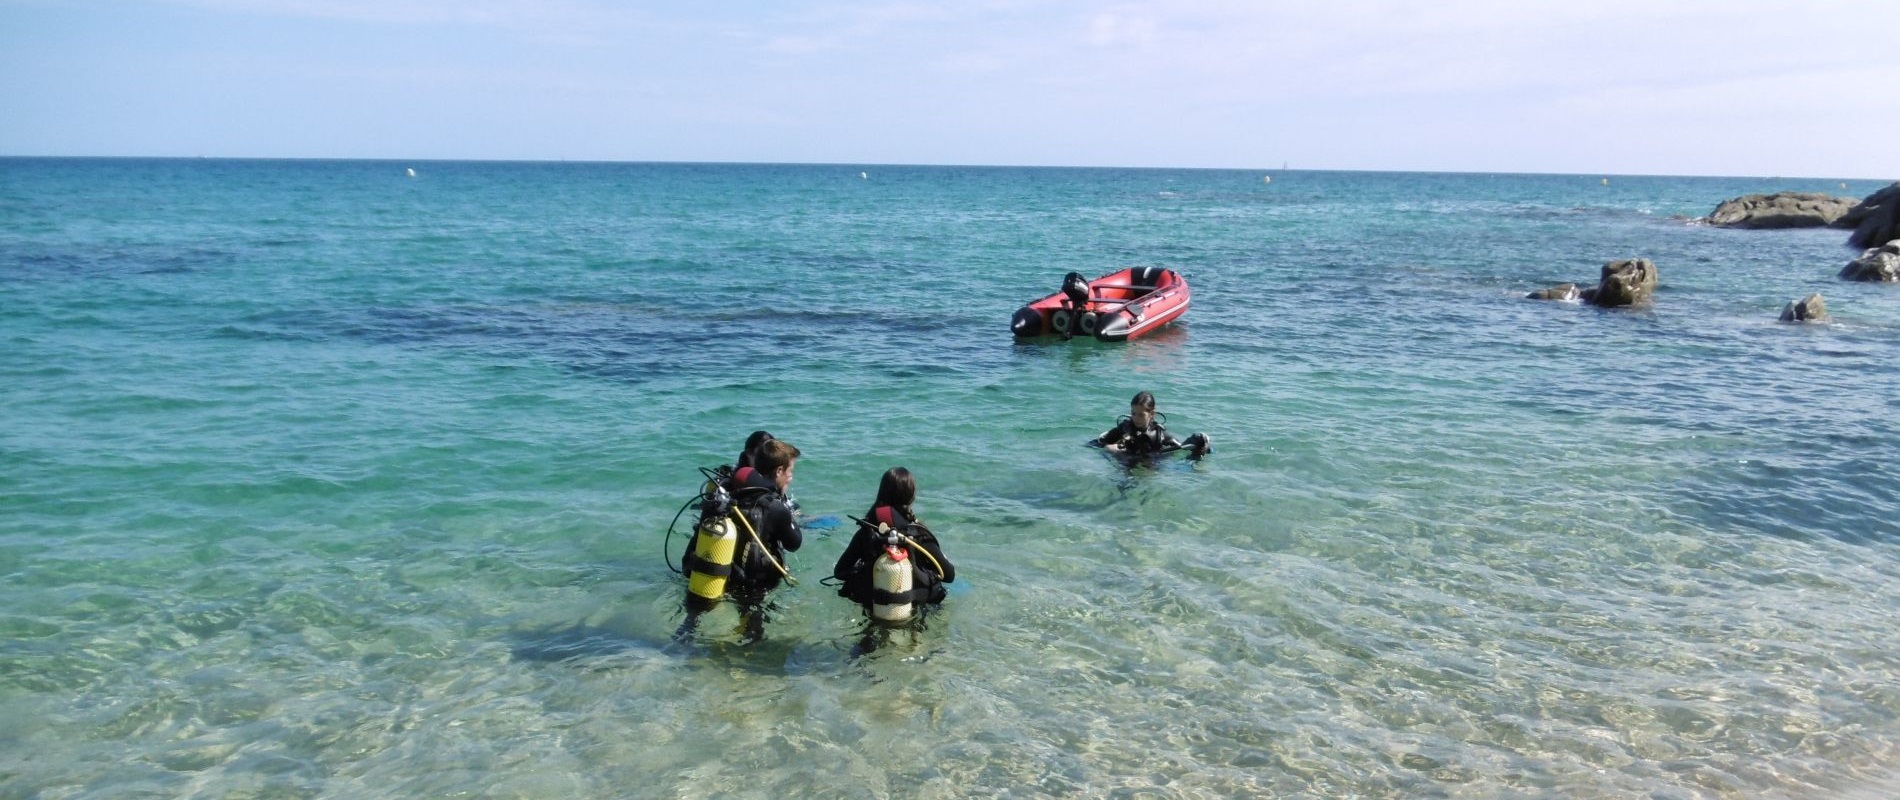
757 497
1151 441
772 515
1139 442
854 565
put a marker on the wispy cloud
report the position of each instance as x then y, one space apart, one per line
1123 28
408 12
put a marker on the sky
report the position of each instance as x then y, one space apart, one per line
1669 87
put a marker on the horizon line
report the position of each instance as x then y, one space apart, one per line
869 164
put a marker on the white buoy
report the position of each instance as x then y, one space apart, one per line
1266 179
412 172
1606 181
864 176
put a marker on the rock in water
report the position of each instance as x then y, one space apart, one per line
1876 264
1562 291
1876 221
1808 309
1624 283
1781 210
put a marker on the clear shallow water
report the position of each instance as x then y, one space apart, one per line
320 481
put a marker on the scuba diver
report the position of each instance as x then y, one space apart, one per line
747 524
890 523
894 566
1140 435
751 443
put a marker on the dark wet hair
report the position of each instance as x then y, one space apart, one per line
752 443
897 489
772 454
1144 399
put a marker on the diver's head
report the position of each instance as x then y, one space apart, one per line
752 443
775 458
897 489
1141 410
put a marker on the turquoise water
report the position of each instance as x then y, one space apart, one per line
317 480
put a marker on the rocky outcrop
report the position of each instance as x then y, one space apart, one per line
1781 210
1808 309
1877 264
1624 283
1562 291
1876 220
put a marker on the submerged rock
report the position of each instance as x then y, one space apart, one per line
1808 309
1624 283
1562 291
1781 210
1876 264
1876 221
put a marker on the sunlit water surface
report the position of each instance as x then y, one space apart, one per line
317 480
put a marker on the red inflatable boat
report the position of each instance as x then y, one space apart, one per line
1115 307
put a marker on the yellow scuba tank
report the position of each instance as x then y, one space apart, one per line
714 543
712 558
891 574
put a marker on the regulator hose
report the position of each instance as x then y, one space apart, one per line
666 549
762 548
919 547
916 545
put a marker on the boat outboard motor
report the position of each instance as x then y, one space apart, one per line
1076 288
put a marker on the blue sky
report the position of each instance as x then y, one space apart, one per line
1690 87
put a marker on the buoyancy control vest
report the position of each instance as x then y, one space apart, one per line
873 580
772 523
1141 441
738 510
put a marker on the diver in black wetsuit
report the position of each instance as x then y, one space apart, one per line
895 492
758 492
1138 434
930 569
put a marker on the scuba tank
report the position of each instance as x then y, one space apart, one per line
890 581
714 543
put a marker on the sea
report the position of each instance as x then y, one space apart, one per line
354 479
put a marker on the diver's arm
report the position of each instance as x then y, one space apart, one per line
1198 445
784 525
933 561
936 549
855 553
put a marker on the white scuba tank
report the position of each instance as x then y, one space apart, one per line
891 573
